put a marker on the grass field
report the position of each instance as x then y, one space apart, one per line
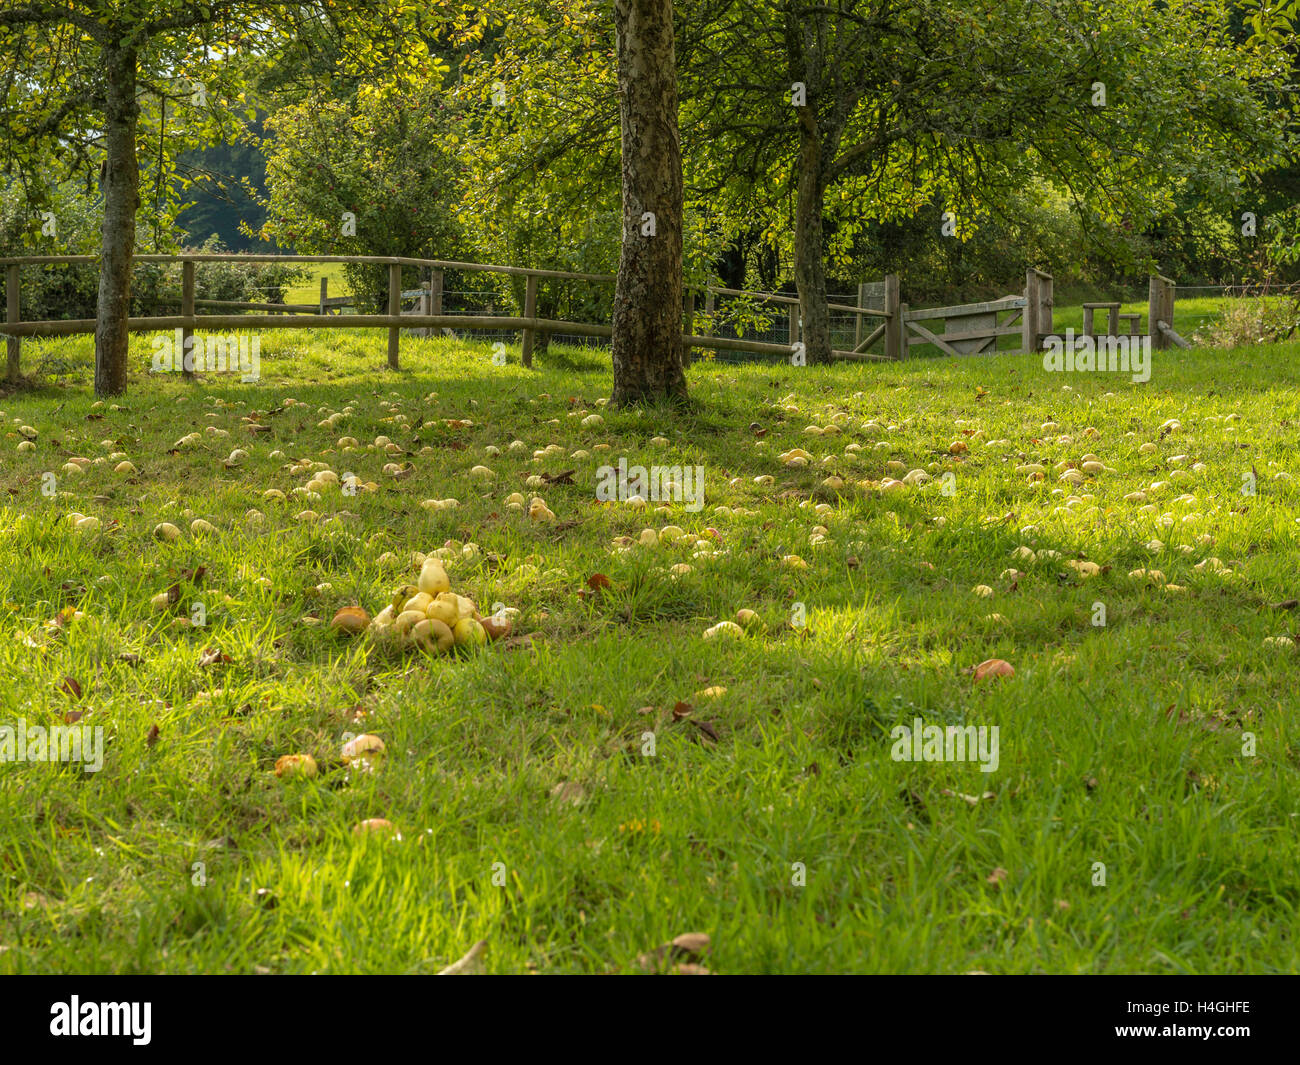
1141 818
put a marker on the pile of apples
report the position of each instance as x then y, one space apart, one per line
427 615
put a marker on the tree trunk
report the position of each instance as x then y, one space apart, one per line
121 201
809 246
647 341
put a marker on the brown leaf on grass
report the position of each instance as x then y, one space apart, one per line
559 478
1286 604
569 791
73 716
152 736
997 876
70 688
129 657
597 582
213 656
680 710
707 729
972 800
689 948
471 964
647 709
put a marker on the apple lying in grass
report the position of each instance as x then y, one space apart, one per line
288 766
351 621
469 633
433 578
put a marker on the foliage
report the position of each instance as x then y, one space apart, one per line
375 175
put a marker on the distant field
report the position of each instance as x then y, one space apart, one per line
309 291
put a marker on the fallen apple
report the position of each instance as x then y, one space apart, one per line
469 633
366 748
993 667
496 627
295 765
433 577
351 620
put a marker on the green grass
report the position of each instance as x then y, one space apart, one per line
1120 744
308 291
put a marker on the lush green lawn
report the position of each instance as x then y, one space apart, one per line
1119 744
308 291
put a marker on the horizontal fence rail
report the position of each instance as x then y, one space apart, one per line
879 313
427 315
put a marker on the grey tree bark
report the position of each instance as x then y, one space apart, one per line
121 187
647 319
809 244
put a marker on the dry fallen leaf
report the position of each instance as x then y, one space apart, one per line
471 964
687 949
973 800
569 791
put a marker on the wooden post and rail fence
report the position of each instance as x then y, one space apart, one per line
967 329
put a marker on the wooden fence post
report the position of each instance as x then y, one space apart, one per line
11 316
435 293
433 299
688 325
857 318
708 312
394 309
895 331
530 311
1160 308
187 312
324 294
792 329
1029 316
1046 301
